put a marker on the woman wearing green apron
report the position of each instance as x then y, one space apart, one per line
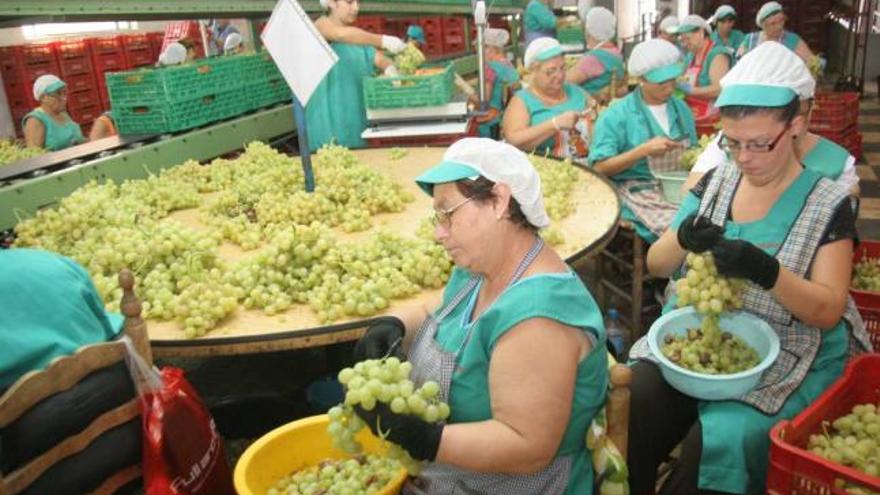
724 33
49 126
705 64
336 112
817 153
789 232
551 116
500 76
538 21
771 20
603 62
649 124
517 343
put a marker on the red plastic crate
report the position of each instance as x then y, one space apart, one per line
432 24
795 471
454 23
80 82
72 49
31 72
109 62
372 23
83 99
139 58
112 44
136 41
834 112
19 99
38 53
871 317
181 29
864 298
85 114
156 44
840 137
396 26
75 66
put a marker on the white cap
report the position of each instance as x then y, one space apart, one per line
656 60
669 24
174 54
541 49
47 83
470 158
766 11
323 4
496 37
233 41
600 24
769 75
723 11
584 7
692 23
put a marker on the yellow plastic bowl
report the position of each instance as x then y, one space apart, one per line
295 446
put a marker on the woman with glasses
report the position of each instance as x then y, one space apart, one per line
603 62
49 126
789 232
551 116
336 111
517 343
771 21
725 34
648 125
817 153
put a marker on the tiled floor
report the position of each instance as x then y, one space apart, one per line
868 168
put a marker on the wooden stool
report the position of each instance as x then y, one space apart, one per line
625 255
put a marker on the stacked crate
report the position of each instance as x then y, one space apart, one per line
137 49
108 55
83 95
433 27
454 35
177 30
21 66
836 117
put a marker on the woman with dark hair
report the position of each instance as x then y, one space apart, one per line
789 232
725 34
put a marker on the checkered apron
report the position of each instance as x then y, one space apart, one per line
799 343
432 362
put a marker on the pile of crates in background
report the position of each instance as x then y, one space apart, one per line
836 117
446 36
81 63
176 98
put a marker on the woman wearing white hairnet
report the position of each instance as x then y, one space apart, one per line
234 44
49 126
771 22
336 111
816 152
604 60
551 116
648 125
517 343
724 33
667 29
705 64
175 54
789 233
501 76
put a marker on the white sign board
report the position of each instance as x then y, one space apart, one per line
300 52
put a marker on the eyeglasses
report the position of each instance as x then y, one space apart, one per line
444 217
61 93
553 71
733 147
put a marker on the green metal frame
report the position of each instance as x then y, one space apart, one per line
26 197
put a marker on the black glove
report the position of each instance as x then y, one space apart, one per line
698 236
379 337
741 259
418 437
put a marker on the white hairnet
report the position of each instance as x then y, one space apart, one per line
652 54
584 7
174 54
232 42
499 162
766 11
669 24
600 24
496 37
691 23
772 64
47 83
541 49
723 11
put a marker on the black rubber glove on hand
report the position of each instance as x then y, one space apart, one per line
698 236
741 259
418 437
379 338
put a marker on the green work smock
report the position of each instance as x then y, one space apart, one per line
736 439
557 296
733 40
703 78
538 21
613 65
505 75
58 136
336 111
626 125
50 309
575 100
827 158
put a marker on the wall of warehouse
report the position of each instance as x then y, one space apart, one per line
838 60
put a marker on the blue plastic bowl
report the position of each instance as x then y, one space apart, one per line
753 330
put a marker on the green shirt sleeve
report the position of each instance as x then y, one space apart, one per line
607 137
539 17
690 204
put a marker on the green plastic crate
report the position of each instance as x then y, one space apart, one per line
409 91
176 83
269 92
571 35
173 116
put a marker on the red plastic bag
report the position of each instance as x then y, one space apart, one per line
183 453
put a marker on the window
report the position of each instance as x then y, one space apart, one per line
35 31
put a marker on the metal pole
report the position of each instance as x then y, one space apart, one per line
299 116
480 16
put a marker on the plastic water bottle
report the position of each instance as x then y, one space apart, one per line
615 333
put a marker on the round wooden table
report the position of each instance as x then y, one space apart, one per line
586 231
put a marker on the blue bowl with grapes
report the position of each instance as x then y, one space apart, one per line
755 332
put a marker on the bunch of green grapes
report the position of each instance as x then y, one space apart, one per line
395 153
867 274
553 236
708 349
11 152
409 60
367 474
557 183
852 440
690 156
383 381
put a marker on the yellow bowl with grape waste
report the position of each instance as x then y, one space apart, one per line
298 445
